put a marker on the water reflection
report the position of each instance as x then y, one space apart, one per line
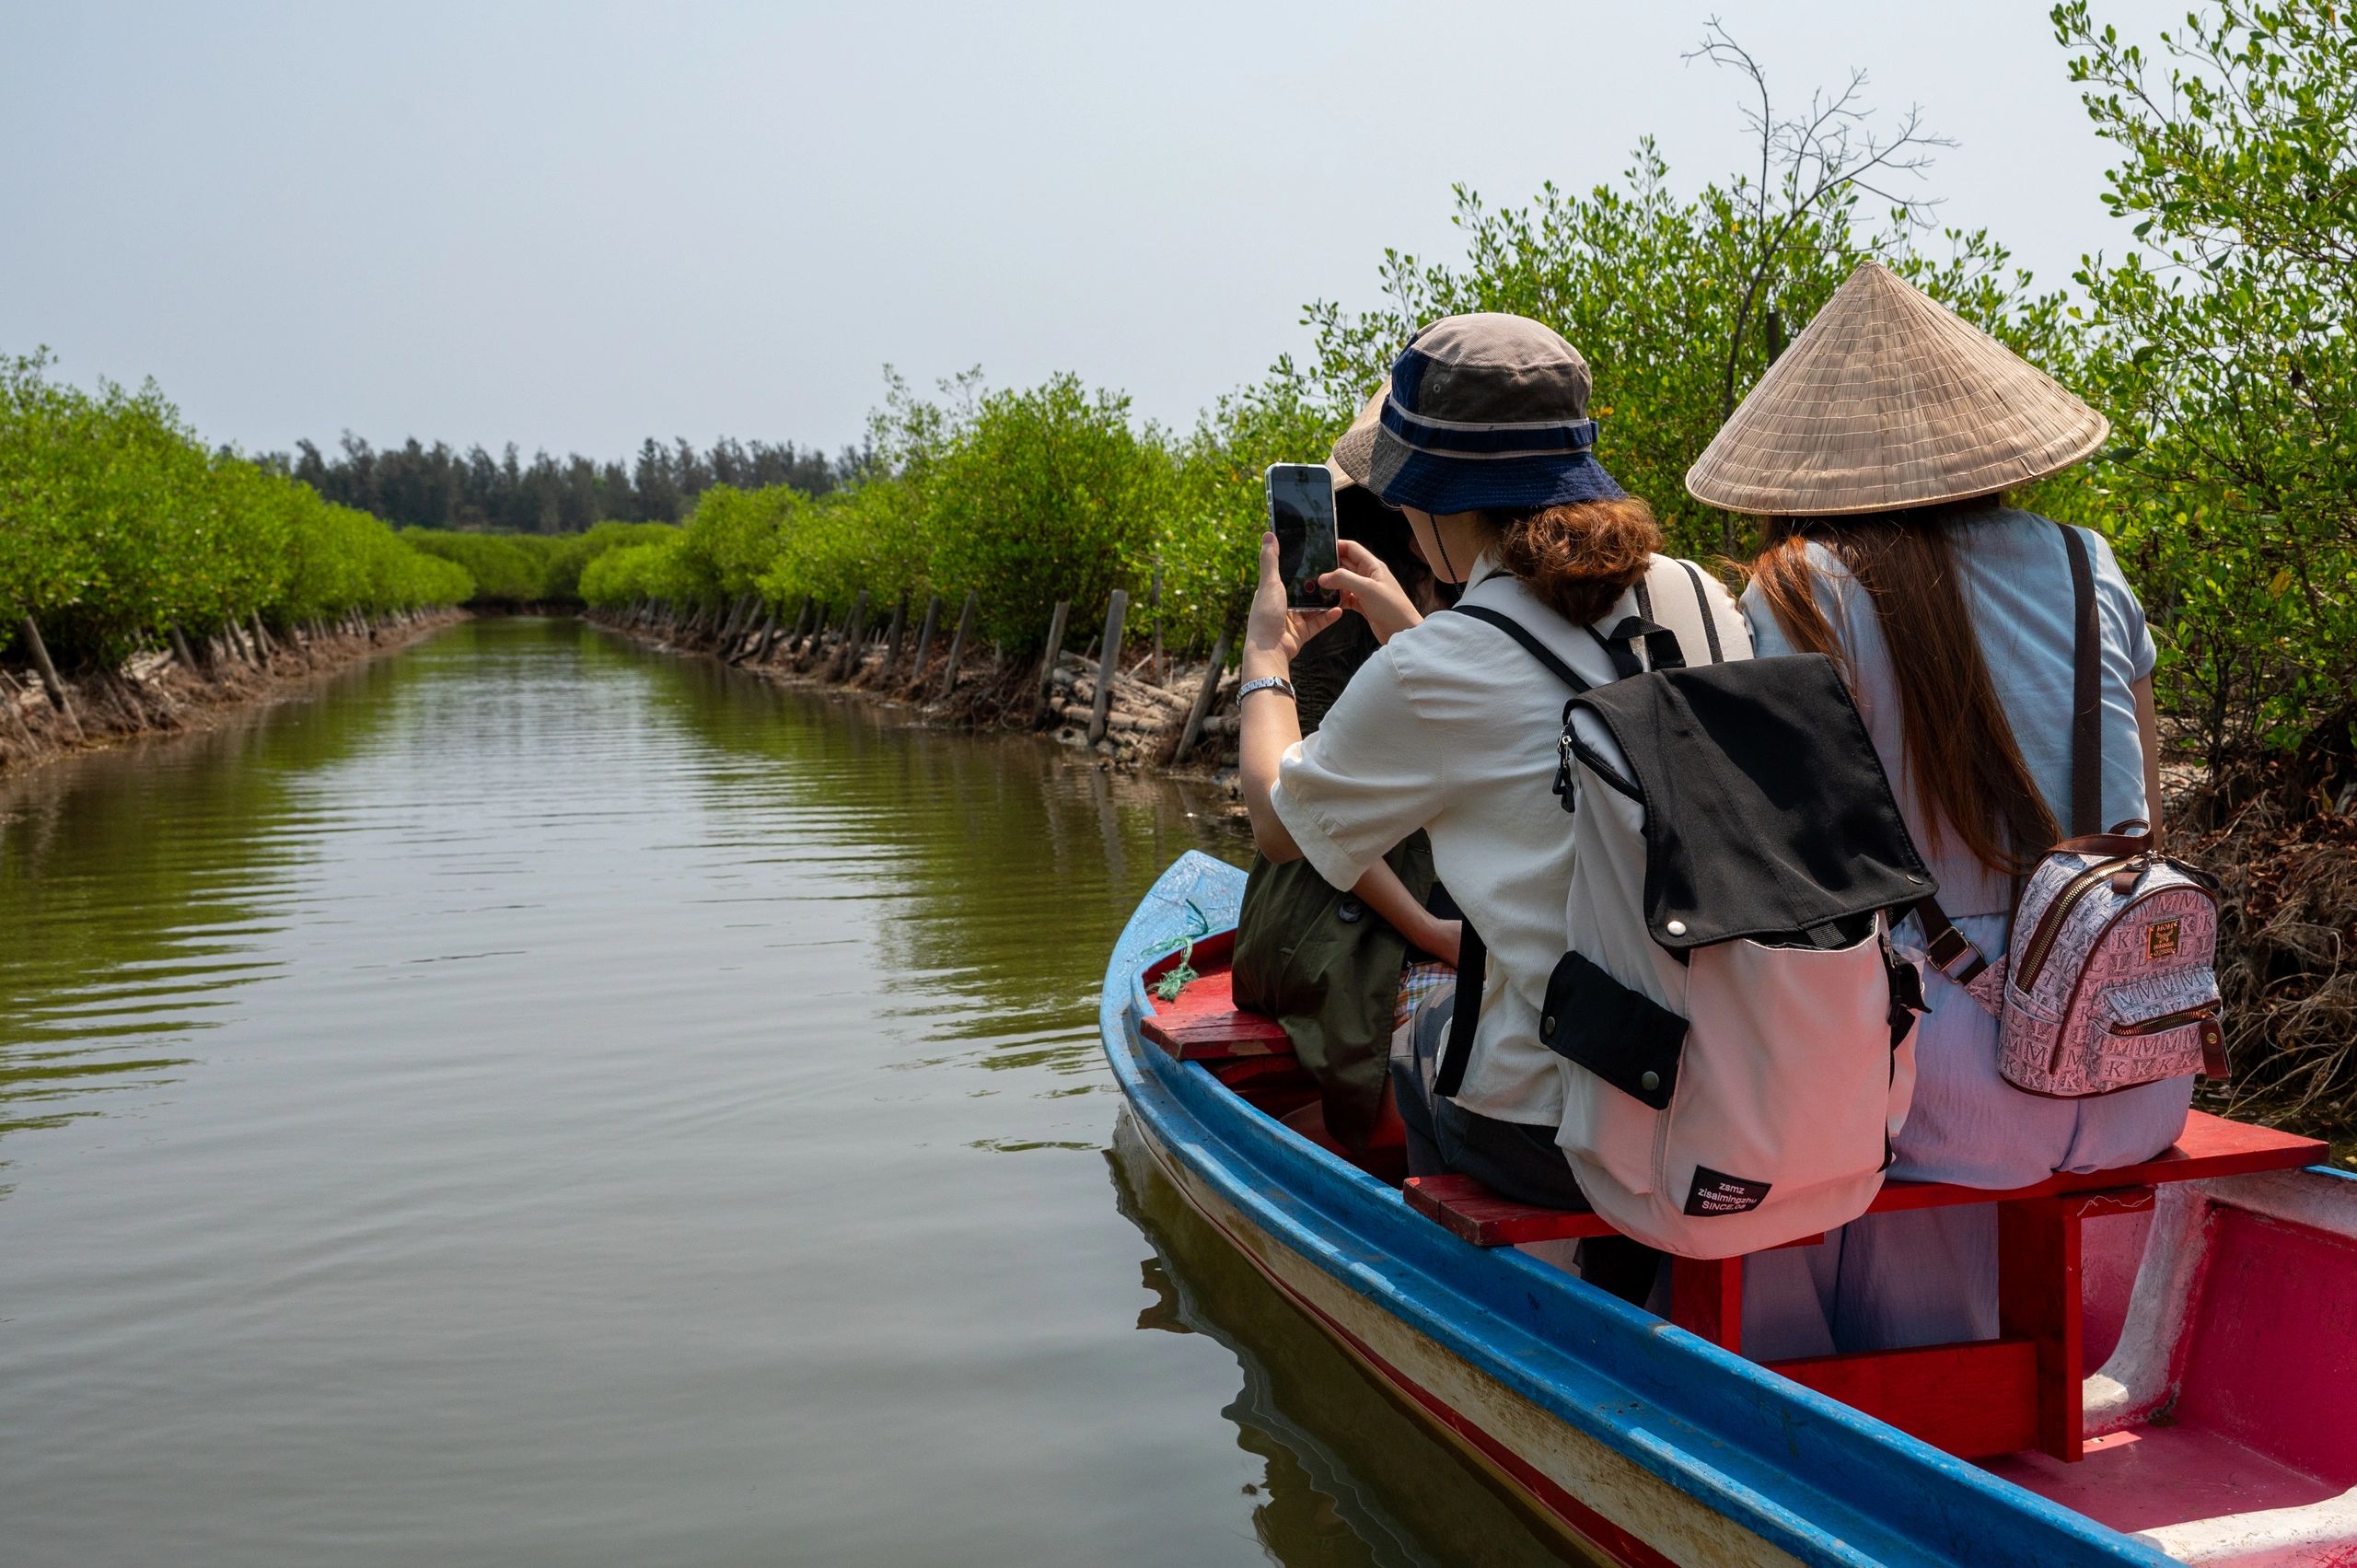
140 888
543 1102
999 866
1350 1477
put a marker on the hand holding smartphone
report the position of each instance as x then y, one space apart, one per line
1302 516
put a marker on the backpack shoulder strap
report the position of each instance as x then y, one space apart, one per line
1703 606
1521 633
1472 968
2086 691
1951 952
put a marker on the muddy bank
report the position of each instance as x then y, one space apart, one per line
1177 718
182 688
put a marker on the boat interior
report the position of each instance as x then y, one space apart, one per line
2177 1339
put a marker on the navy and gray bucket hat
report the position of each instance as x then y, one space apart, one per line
1488 410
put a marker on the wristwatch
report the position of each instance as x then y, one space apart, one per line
1266 683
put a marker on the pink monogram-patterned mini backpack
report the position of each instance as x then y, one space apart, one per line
2109 979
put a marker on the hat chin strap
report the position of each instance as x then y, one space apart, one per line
1440 545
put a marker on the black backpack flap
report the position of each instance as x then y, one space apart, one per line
1620 1034
1768 814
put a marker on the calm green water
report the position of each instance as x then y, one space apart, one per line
543 1102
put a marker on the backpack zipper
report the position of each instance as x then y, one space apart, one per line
2049 924
2054 1062
2206 1013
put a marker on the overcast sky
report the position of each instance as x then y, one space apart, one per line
575 224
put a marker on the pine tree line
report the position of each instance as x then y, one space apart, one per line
440 487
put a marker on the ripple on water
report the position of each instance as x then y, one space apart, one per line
543 1102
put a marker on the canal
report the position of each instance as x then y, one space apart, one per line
539 1101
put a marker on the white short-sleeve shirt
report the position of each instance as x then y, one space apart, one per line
1452 727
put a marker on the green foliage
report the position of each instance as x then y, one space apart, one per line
1678 305
509 570
654 569
1045 494
1211 524
116 524
2225 354
868 537
570 556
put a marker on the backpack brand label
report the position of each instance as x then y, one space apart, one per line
1716 1193
2163 939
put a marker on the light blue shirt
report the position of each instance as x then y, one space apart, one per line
2016 575
1968 1125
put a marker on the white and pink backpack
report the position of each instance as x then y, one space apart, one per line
1733 1027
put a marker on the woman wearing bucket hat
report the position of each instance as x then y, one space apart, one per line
1484 442
1878 447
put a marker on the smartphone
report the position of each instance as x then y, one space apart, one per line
1301 514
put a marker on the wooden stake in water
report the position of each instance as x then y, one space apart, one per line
1203 694
854 644
1110 664
49 681
1154 600
1055 652
925 636
958 644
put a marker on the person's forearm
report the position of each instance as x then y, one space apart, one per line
1381 890
2148 729
1268 726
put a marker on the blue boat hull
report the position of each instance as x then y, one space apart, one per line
1646 1443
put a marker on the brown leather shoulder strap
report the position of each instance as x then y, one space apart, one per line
1950 951
2086 691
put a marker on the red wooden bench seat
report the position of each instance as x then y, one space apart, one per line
2211 1145
2020 1390
1204 1024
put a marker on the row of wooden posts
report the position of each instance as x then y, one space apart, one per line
743 638
247 641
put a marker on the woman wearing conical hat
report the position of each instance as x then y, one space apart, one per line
1879 449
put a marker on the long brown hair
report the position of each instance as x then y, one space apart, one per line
1580 557
1968 775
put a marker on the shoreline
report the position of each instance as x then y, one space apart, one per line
157 694
1144 720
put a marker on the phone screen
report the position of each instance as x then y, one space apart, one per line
1301 514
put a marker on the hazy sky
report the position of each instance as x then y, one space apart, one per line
576 225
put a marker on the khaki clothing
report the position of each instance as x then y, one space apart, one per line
1327 967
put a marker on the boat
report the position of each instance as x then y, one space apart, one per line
2174 1383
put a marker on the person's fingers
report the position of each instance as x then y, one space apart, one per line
1269 559
1309 622
1358 558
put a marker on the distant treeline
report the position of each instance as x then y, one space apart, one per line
439 487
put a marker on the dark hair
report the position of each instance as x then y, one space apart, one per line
1969 777
1362 517
1580 556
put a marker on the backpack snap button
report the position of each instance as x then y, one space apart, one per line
1650 1080
1676 928
1350 911
1547 1025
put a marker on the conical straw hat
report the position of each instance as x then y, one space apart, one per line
1890 400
